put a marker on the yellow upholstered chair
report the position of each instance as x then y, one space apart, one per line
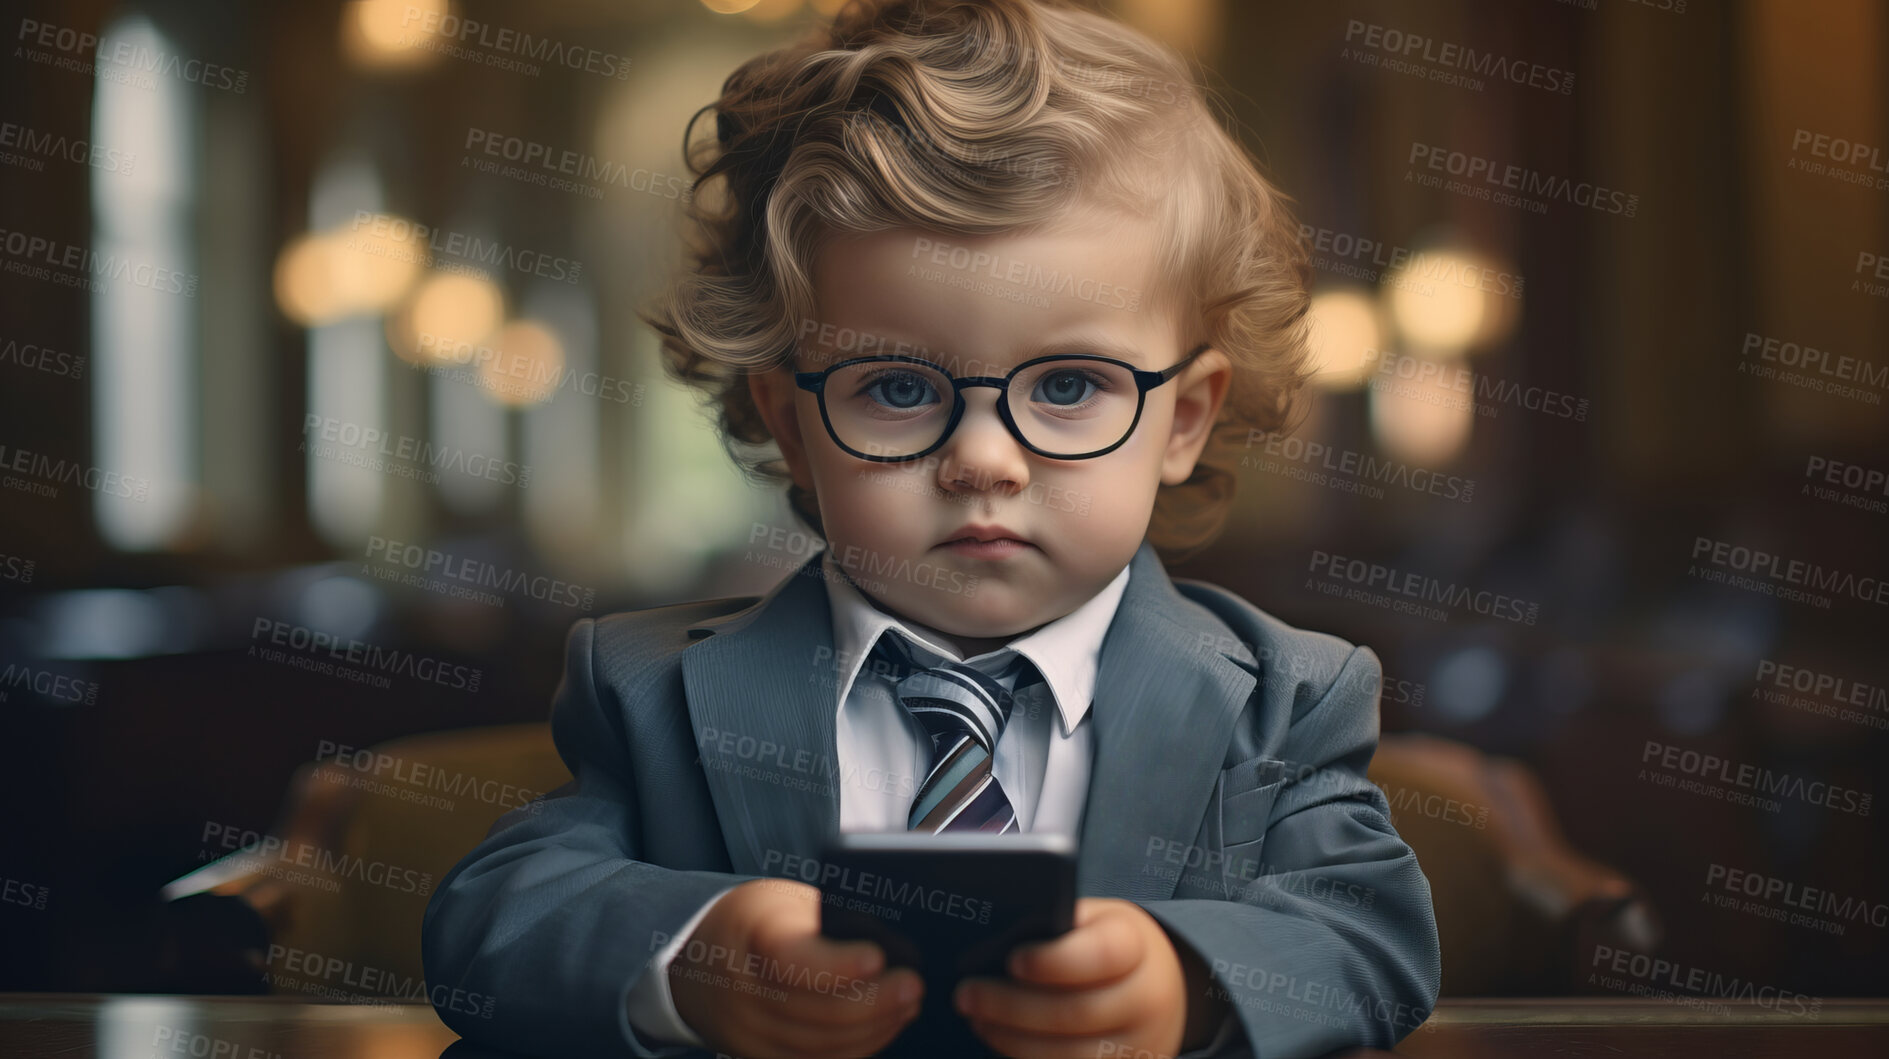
388 816
1518 909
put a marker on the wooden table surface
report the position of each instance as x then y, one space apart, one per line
161 1027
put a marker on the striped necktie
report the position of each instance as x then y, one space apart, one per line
964 709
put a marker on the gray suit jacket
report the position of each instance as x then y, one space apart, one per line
1228 799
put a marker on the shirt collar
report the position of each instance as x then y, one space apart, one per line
1067 651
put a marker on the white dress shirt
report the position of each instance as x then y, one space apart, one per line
1042 765
883 751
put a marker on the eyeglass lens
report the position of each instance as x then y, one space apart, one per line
1064 407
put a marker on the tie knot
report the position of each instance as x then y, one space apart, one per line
952 698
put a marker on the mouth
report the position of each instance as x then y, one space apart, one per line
985 542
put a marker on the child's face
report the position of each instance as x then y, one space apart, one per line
891 525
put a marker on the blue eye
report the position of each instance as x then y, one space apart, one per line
894 388
1065 388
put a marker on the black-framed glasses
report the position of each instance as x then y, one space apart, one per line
1066 406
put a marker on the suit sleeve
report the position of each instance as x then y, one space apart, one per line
1332 944
554 917
653 1013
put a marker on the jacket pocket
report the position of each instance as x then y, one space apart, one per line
1247 793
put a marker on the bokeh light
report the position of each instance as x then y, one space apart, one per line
450 314
391 34
1433 307
322 277
1346 337
304 286
526 364
1424 418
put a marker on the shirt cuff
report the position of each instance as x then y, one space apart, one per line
1228 1024
652 1009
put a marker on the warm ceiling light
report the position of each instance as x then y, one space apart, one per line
374 266
449 315
390 33
526 365
766 11
1191 25
1433 307
1501 290
304 281
1425 419
1345 338
321 277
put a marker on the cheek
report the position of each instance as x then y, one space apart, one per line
1099 507
864 503
1156 427
837 487
1121 476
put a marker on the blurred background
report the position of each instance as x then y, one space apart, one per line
324 413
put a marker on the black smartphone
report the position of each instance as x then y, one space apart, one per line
950 906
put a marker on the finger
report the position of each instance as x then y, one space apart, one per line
783 915
828 1042
815 1042
852 1002
784 894
1007 1041
1090 909
1047 1010
754 1019
789 933
1106 948
800 947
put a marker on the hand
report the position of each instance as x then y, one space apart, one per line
756 979
1116 978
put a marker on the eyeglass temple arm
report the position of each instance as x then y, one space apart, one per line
1175 368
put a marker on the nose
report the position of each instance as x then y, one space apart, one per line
981 456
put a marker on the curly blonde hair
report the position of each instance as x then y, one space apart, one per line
974 117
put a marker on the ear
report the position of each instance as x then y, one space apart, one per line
775 395
1202 390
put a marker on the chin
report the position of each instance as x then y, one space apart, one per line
983 622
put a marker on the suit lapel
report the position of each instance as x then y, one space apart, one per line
762 700
1166 700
